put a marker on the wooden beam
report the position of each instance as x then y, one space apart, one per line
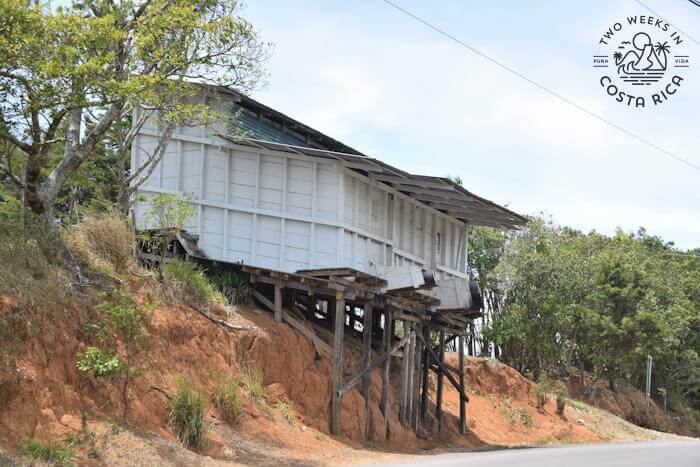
382 359
263 299
367 344
278 303
440 377
462 406
388 336
403 389
444 370
424 375
412 182
417 354
319 344
339 327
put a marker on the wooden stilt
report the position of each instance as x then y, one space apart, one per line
337 362
385 374
409 378
278 303
417 360
403 390
367 344
462 402
438 400
424 377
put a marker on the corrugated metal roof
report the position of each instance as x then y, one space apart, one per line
252 127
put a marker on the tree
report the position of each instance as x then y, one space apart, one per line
69 74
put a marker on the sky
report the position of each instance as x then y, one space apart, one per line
366 74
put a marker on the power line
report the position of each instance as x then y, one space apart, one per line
542 87
695 2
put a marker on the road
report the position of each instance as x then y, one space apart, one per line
653 454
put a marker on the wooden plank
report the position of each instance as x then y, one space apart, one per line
410 379
447 374
417 353
263 299
339 327
367 344
462 405
440 382
424 376
319 344
278 303
388 336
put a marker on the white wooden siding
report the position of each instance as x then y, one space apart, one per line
288 212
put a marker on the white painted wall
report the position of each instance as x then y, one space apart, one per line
286 211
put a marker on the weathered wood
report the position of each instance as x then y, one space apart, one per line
417 360
339 327
263 299
367 344
382 359
403 389
278 303
425 369
446 372
318 343
410 379
462 405
388 336
440 377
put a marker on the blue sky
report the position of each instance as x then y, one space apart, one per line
375 79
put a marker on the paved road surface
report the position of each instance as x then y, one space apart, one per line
653 454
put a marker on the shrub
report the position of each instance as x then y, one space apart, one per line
188 409
561 394
285 407
104 243
50 452
227 399
234 285
542 395
252 381
183 278
99 363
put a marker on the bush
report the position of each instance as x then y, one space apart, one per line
227 399
104 243
542 395
188 409
252 381
99 363
50 452
234 285
561 395
185 279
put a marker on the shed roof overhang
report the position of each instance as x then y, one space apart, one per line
439 193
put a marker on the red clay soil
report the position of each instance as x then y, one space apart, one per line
47 394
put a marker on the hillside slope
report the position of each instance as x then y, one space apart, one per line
49 399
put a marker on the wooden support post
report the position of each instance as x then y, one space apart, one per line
337 362
417 353
440 377
462 402
278 303
409 377
367 344
424 376
403 390
385 374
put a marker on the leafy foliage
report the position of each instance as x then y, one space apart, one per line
603 303
51 452
99 363
188 409
234 285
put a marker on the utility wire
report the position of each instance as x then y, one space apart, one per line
695 2
543 88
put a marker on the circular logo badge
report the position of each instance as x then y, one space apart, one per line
643 62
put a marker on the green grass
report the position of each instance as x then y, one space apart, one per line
320 437
115 426
252 381
285 407
227 399
50 452
188 410
234 285
183 278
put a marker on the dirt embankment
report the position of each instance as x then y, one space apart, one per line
46 397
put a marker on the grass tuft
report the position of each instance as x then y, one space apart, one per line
227 399
185 279
285 407
252 381
50 452
188 409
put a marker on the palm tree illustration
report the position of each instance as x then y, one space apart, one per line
618 58
662 50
